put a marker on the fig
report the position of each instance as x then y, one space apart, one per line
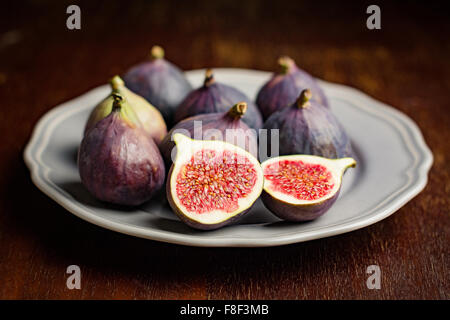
307 127
215 97
302 187
118 162
160 82
212 183
147 116
283 88
225 126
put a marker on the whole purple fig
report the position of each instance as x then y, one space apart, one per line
307 127
225 126
215 97
148 117
118 161
283 88
160 82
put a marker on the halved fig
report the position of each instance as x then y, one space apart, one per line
302 187
212 183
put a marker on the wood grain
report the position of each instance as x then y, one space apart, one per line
405 64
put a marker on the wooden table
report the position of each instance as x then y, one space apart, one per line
405 64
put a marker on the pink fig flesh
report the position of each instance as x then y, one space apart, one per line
212 183
301 187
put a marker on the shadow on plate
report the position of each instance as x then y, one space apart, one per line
69 154
76 190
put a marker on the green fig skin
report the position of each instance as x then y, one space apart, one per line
146 116
119 163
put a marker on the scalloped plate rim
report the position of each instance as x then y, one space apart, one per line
421 170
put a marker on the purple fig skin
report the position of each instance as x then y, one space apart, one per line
195 224
218 121
216 97
284 87
312 129
119 163
161 83
297 213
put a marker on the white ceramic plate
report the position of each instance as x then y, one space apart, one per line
393 162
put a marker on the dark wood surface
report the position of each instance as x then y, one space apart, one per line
42 64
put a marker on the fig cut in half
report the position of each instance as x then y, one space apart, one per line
212 183
302 187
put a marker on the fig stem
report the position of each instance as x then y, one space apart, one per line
238 110
303 99
127 114
285 64
116 82
157 53
209 78
117 103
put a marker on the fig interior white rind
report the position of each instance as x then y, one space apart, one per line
186 148
336 167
